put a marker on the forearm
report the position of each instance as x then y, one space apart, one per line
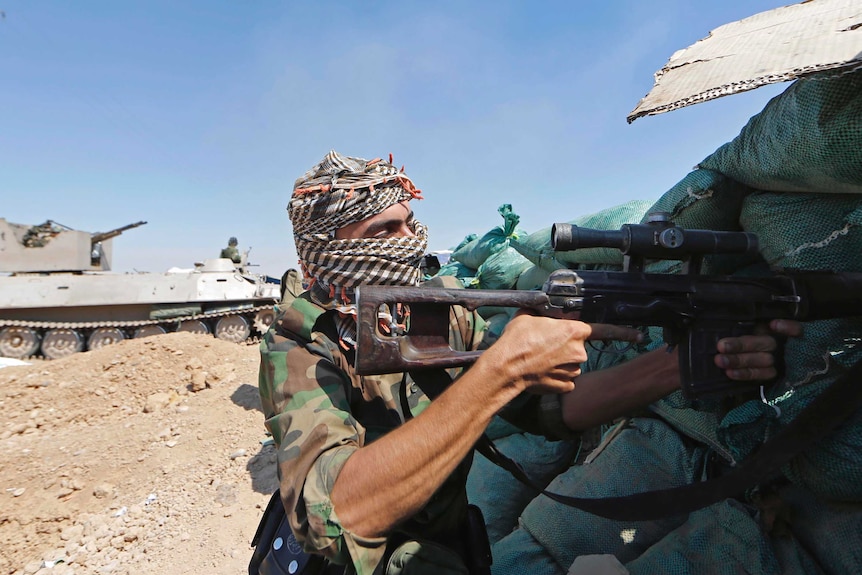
604 395
389 480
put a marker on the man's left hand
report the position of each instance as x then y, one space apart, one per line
752 357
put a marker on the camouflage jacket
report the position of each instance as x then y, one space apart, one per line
320 411
231 253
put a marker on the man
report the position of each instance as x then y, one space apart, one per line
371 471
231 252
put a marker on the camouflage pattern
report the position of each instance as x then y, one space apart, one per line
231 253
319 412
39 236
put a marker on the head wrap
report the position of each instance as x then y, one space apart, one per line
342 190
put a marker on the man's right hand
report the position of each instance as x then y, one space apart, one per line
544 355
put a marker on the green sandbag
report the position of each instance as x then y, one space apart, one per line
474 253
703 200
498 494
532 278
487 311
501 270
467 239
806 139
813 232
536 247
495 324
459 270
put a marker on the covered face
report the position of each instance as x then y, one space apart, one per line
342 190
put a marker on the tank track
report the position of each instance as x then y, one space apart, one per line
257 324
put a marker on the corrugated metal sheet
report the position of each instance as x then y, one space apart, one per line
773 46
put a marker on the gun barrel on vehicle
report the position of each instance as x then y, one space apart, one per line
102 236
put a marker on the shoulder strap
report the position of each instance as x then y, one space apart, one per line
825 413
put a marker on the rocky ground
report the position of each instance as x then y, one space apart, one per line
147 456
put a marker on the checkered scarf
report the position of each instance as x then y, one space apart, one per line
342 190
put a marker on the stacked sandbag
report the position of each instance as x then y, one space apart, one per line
807 139
459 270
532 278
455 268
489 262
502 497
791 178
501 270
497 265
474 253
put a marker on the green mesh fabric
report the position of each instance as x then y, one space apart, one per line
724 539
805 140
705 200
829 530
647 454
818 232
804 231
502 497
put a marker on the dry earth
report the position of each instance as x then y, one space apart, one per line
148 456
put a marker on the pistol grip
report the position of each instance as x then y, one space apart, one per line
699 375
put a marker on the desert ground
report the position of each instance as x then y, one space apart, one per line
147 456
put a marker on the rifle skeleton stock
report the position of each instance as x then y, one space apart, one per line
694 310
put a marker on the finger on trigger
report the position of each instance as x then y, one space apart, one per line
614 332
789 328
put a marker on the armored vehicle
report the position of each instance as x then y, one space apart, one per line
58 295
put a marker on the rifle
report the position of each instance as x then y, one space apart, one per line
694 310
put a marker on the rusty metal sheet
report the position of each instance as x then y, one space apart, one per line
774 46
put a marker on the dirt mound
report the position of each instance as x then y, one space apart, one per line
145 456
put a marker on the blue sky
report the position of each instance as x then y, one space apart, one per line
198 116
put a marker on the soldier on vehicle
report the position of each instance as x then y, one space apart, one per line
231 252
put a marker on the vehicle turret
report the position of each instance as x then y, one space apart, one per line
52 247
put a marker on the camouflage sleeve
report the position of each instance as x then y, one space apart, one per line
303 395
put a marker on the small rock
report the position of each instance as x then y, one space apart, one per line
194 364
103 490
156 402
199 381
